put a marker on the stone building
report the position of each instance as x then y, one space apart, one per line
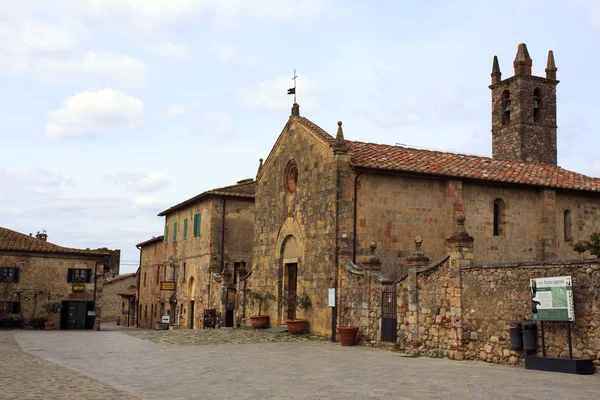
119 296
36 273
206 251
149 278
324 203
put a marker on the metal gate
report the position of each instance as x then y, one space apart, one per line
389 315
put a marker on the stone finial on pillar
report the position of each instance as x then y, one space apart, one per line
461 241
296 110
551 66
417 257
340 143
496 74
523 62
260 165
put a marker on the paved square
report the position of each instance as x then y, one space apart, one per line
121 365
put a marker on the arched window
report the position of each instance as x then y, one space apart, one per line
568 226
537 103
506 107
498 217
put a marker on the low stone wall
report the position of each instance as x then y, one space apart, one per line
429 306
495 295
360 300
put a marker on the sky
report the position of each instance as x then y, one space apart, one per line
111 111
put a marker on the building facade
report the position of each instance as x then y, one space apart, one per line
119 296
41 280
323 201
206 251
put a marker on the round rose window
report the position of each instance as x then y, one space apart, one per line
291 177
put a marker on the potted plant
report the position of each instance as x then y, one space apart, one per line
260 298
51 309
297 325
348 335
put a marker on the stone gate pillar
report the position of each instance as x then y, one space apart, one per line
416 261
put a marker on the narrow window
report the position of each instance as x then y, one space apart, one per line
498 217
185 229
183 277
9 275
537 101
568 226
174 231
146 312
158 274
506 108
144 279
166 233
197 224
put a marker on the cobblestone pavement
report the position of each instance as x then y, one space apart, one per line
161 369
191 337
25 376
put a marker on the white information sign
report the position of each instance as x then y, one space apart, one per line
166 319
552 299
331 297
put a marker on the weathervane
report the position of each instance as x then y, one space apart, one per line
293 90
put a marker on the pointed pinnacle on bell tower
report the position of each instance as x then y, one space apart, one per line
340 143
496 74
551 67
523 62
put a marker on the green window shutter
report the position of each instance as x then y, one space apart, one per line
88 275
195 225
174 231
16 276
166 233
70 275
185 229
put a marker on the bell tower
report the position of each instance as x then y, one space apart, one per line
524 111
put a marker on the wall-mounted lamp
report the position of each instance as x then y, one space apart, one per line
344 236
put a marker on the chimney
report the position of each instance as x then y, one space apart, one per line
42 236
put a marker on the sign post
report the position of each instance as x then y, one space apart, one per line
331 303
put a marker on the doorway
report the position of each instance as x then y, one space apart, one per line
74 315
191 323
230 307
292 282
389 315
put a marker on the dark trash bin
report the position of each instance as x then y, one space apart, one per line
529 336
516 335
118 321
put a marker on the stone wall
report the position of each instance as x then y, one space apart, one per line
112 303
297 227
150 277
43 279
495 295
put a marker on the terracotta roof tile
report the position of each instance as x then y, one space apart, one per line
452 165
15 241
244 189
119 277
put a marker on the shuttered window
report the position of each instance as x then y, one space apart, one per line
80 275
166 233
174 231
197 224
185 229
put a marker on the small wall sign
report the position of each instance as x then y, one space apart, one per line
167 285
166 319
552 299
91 313
78 288
331 302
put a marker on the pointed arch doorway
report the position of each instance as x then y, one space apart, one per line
191 308
290 256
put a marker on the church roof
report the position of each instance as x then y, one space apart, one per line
242 189
14 241
452 165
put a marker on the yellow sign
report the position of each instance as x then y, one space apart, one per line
78 288
167 285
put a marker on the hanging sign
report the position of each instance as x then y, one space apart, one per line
331 302
167 285
166 319
552 299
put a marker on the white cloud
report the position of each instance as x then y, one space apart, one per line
35 176
88 113
143 201
53 53
232 55
216 123
174 111
146 182
272 94
177 51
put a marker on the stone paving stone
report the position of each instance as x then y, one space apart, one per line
25 376
161 369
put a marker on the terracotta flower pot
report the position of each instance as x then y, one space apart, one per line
259 321
49 325
348 335
296 326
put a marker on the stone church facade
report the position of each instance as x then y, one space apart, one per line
325 205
